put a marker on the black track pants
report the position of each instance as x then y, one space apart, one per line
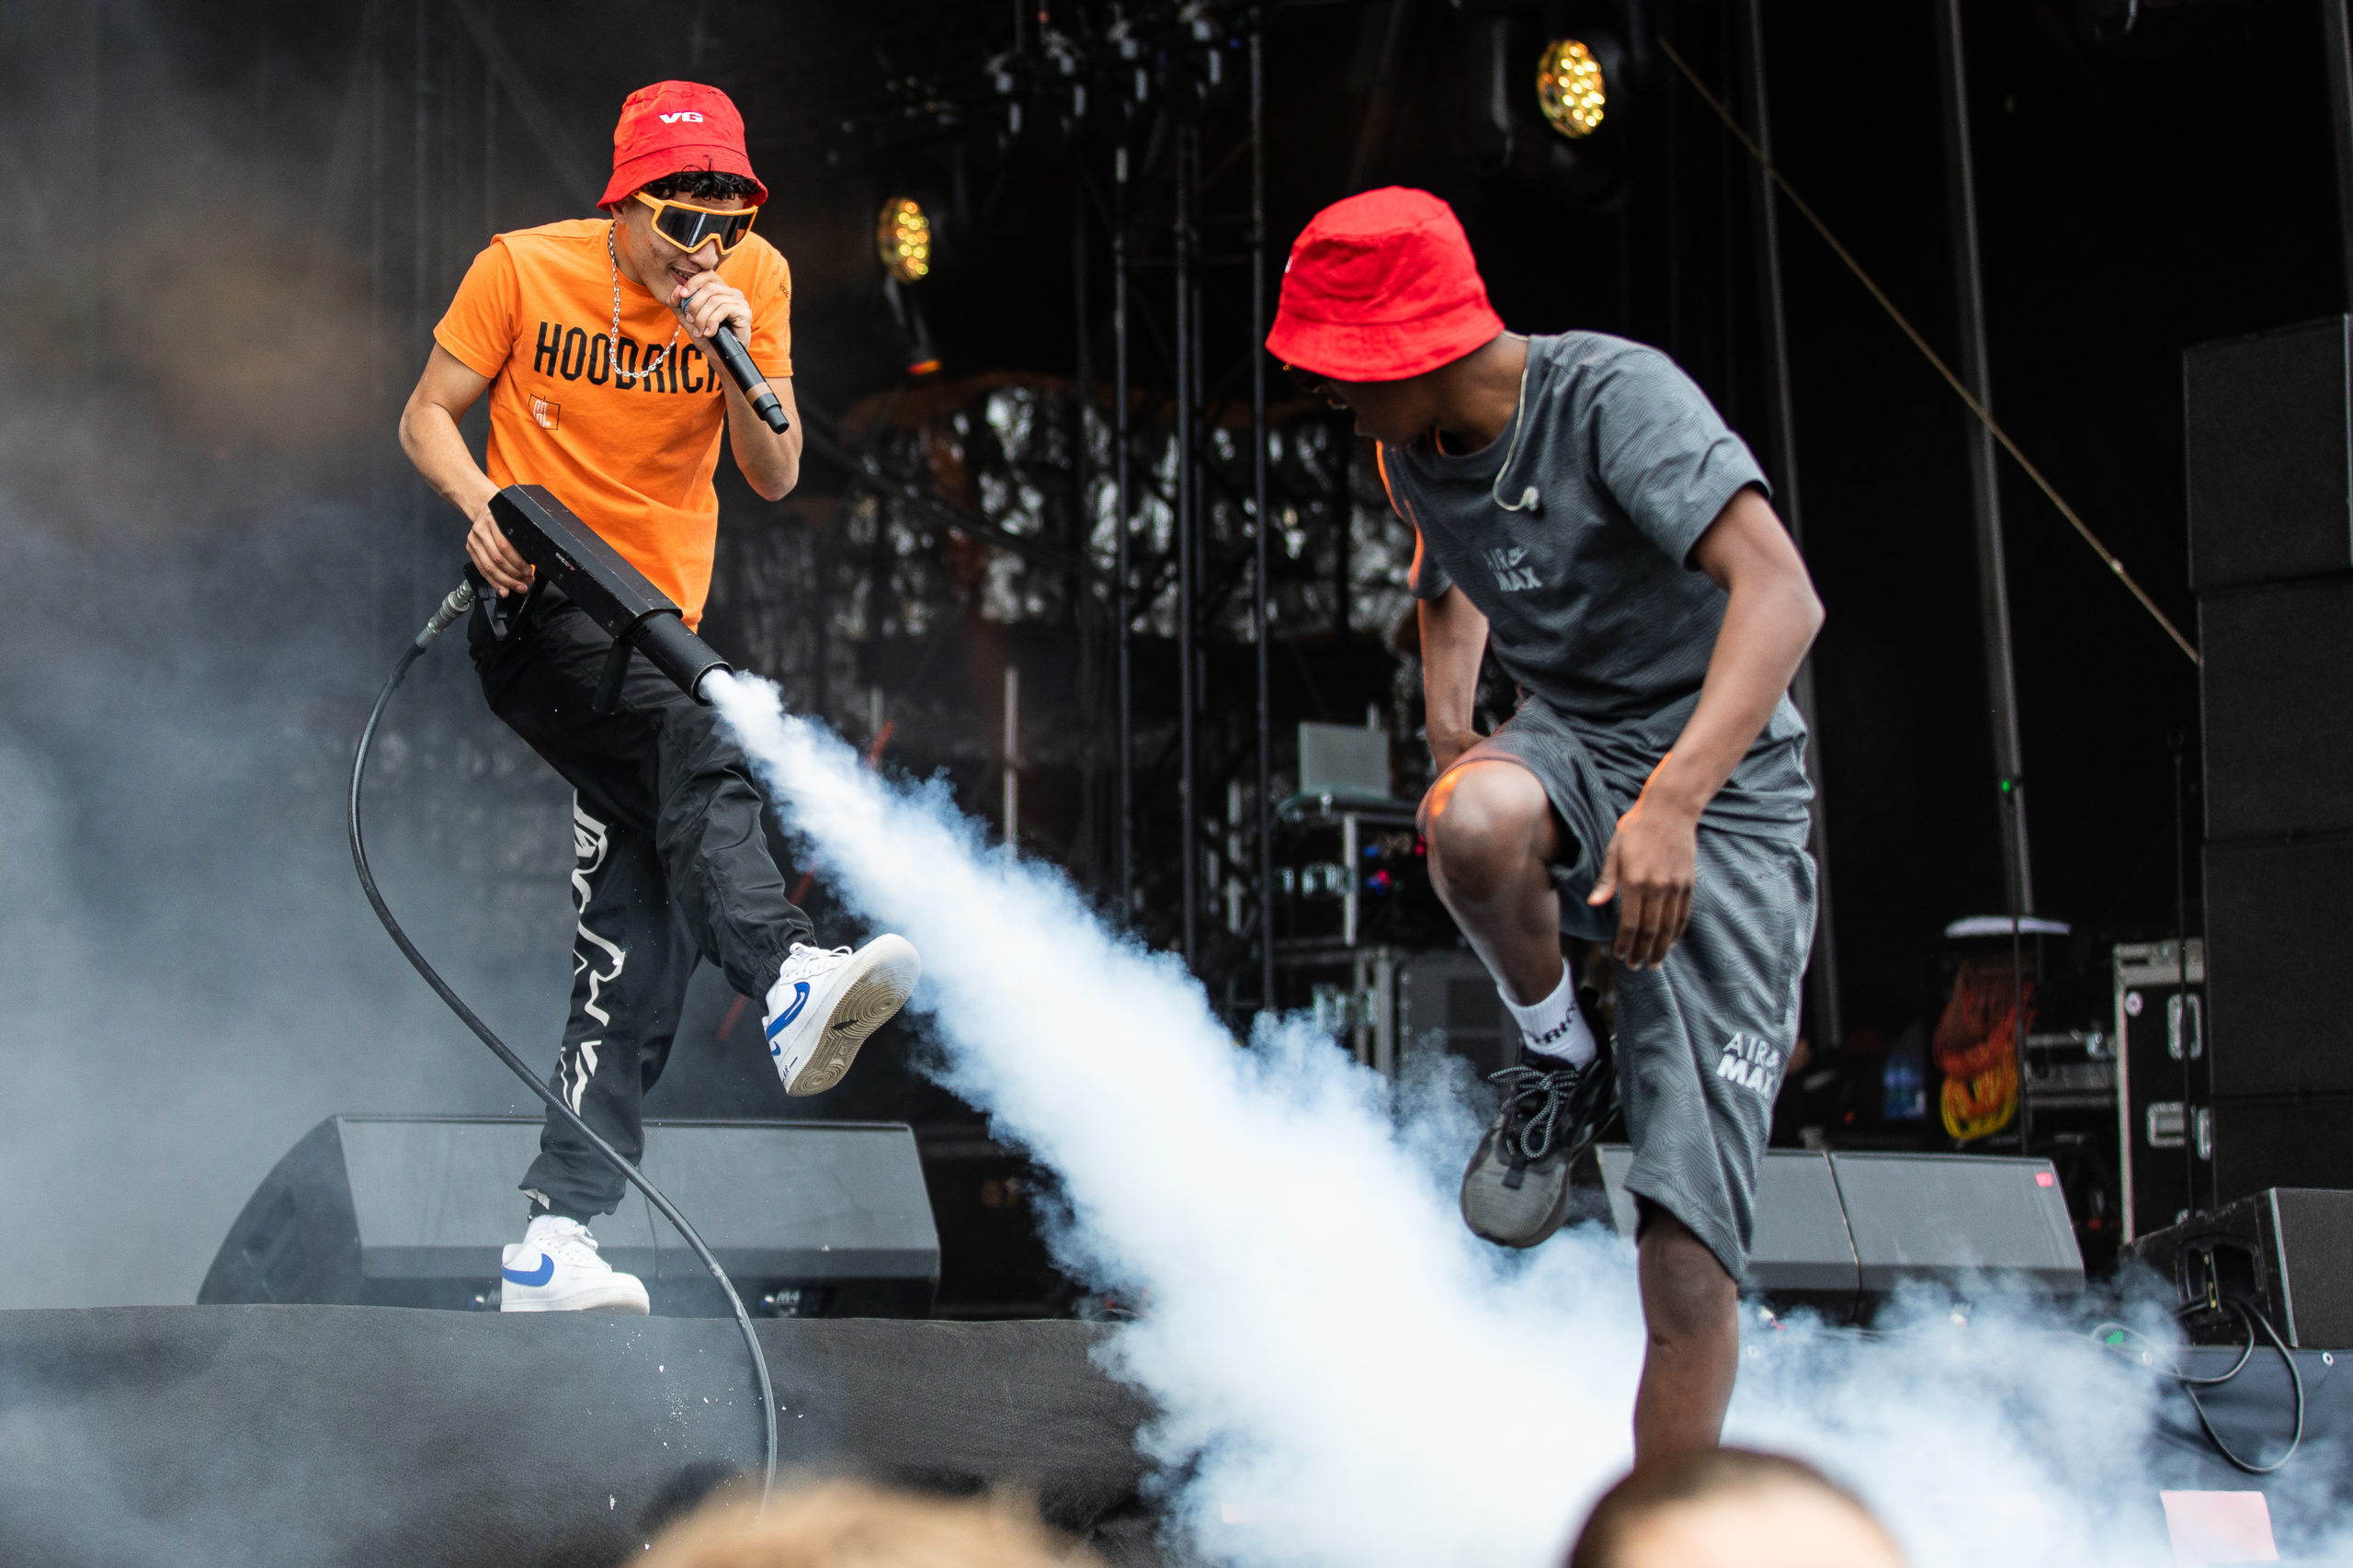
673 865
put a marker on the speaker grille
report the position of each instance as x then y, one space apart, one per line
2268 456
2316 1263
2278 989
2278 729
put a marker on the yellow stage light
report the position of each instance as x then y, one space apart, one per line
903 239
1570 88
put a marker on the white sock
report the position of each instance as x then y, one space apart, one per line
1555 1027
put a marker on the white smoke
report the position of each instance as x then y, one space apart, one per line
1348 1378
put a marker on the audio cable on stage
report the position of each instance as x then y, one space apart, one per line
458 602
2160 1359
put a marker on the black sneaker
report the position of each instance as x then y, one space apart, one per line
1516 1192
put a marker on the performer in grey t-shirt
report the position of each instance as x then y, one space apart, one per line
1583 512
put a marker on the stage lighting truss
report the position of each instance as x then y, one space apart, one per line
903 239
1570 89
1175 57
1178 56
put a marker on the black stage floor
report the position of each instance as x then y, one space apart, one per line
264 1435
258 1436
2311 1496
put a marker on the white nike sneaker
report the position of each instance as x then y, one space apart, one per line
554 1269
825 1005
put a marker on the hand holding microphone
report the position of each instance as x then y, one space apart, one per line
718 314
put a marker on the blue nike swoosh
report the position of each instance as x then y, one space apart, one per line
539 1275
799 1000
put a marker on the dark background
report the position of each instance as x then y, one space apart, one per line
233 222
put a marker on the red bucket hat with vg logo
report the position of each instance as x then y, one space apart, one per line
673 126
1380 287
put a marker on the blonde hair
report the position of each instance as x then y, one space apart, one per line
1696 1475
851 1524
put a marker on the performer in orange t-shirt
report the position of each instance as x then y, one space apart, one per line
592 338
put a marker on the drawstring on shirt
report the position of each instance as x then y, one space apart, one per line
1531 500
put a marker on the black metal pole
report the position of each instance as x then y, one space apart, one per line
1984 495
1260 629
1986 509
1122 574
1190 829
1084 620
2336 53
2181 972
1781 439
2018 995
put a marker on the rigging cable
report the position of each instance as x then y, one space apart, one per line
2108 557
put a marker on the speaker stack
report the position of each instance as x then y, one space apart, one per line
2269 429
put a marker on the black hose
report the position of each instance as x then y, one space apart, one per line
516 1063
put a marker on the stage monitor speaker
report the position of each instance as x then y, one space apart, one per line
2286 1250
1841 1232
2278 664
1956 1216
2279 990
810 1219
1447 1001
2270 459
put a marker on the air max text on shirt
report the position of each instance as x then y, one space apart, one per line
1510 575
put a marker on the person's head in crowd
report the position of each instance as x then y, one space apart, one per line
1732 1508
850 1524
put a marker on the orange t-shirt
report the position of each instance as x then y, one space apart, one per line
633 459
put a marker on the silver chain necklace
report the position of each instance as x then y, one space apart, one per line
613 344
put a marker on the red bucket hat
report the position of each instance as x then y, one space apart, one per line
673 126
1380 287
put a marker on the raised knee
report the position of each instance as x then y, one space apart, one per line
1480 821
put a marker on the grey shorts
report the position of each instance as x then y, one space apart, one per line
1702 1039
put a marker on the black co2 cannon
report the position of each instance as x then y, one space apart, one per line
570 554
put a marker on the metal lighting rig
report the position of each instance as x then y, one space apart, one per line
1127 92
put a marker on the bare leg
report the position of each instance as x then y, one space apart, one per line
1493 835
1692 1310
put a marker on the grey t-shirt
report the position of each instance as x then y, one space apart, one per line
1571 532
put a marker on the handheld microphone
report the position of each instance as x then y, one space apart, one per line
747 376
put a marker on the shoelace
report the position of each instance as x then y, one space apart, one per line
1533 1102
809 957
558 1246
